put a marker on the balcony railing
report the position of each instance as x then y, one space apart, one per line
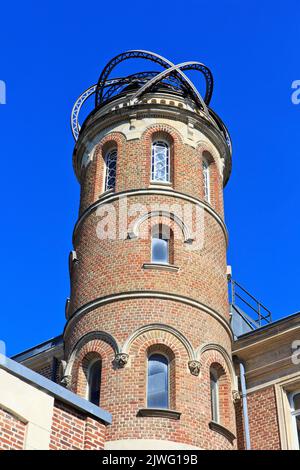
252 311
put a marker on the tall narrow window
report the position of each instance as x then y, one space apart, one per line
214 396
111 168
295 409
160 244
158 382
160 165
206 180
94 382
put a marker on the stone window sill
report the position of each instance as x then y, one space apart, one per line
160 184
161 267
222 430
159 413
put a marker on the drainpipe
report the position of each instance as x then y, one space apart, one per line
245 405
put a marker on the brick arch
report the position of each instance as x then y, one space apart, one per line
164 342
207 152
116 139
163 214
83 370
165 334
87 352
156 130
214 359
165 132
223 353
87 338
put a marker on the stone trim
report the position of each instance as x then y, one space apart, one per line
222 430
194 367
101 121
53 389
161 267
107 198
227 358
158 413
150 295
159 327
168 215
277 382
121 360
285 424
147 444
91 336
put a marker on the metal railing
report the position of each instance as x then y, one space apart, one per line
242 299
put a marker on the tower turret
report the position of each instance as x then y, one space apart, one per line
147 333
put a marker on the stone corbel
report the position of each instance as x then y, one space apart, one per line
194 367
131 236
121 359
132 120
236 396
190 128
66 381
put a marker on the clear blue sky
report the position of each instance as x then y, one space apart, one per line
51 51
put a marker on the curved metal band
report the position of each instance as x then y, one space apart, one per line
76 110
178 68
141 54
173 73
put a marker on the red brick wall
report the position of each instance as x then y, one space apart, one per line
263 421
72 430
241 443
12 432
134 170
109 267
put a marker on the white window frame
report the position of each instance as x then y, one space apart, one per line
106 157
167 163
213 373
147 375
92 362
294 414
206 179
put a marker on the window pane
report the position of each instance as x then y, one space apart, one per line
160 250
297 402
214 397
160 162
298 428
111 167
158 382
94 382
206 182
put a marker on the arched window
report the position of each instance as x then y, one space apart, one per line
206 180
295 410
214 396
160 163
111 169
161 241
158 381
94 381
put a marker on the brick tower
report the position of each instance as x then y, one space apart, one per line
147 334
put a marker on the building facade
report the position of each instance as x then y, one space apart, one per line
150 335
